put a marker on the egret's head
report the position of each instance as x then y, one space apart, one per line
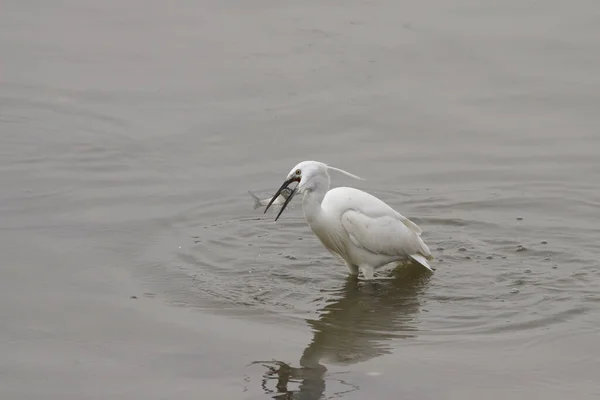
306 174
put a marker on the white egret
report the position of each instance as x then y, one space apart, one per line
356 226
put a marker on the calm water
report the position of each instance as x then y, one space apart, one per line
133 262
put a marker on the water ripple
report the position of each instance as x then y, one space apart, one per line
487 282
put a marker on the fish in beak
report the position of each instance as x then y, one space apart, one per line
258 202
290 197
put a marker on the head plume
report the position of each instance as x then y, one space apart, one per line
329 167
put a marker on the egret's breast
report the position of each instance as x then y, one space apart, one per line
331 234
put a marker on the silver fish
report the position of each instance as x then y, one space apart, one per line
285 193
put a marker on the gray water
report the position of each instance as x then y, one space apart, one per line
135 267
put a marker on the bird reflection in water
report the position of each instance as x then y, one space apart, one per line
357 324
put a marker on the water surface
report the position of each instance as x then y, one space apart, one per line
134 264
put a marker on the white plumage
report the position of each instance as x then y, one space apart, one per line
356 226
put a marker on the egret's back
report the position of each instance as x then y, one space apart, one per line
340 199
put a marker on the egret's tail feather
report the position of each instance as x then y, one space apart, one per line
424 250
345 172
411 225
256 200
419 259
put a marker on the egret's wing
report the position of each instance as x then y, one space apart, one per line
383 235
378 211
366 204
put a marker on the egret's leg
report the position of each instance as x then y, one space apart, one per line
353 269
367 272
368 275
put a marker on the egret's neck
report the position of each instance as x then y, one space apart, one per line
313 196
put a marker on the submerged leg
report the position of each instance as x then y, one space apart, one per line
367 272
368 275
352 269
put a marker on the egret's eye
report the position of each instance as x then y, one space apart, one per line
298 172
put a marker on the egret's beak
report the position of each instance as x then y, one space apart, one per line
287 201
